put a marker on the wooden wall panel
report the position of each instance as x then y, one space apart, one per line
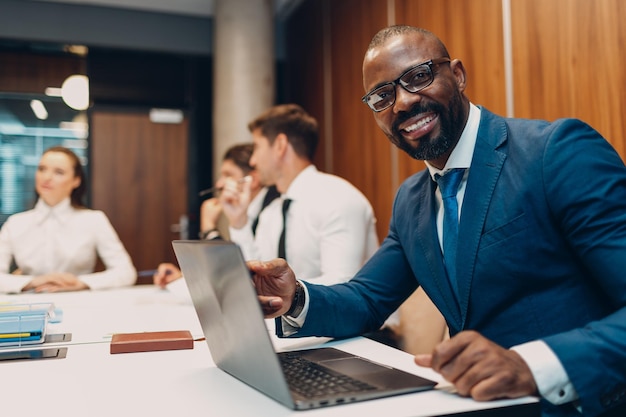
472 32
361 153
23 72
140 181
568 60
326 41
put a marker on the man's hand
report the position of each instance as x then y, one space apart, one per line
479 368
210 211
165 274
235 199
275 284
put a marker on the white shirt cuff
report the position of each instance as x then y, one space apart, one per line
552 381
291 325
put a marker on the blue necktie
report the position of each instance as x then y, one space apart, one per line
281 242
449 185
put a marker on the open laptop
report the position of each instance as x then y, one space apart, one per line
233 324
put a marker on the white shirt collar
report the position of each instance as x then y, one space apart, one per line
61 211
299 184
461 156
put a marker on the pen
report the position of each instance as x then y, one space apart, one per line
151 272
17 335
216 188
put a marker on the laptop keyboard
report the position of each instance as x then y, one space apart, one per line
312 380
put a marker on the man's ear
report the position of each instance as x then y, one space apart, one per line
281 144
457 68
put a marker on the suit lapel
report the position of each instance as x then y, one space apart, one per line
485 169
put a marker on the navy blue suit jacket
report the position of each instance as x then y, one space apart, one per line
542 255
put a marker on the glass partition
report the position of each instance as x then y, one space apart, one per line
23 138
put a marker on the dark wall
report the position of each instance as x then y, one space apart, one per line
124 79
138 78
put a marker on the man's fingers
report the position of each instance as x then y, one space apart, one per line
268 268
271 306
504 384
446 354
424 360
482 369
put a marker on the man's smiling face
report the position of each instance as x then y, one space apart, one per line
427 124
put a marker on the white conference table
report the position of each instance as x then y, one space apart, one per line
90 381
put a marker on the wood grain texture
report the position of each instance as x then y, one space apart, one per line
472 32
140 181
568 62
361 153
23 72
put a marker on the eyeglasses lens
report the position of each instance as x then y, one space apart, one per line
382 97
417 78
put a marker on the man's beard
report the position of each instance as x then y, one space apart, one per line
428 148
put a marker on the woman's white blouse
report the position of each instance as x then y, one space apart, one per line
62 239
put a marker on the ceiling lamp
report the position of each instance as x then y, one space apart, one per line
75 92
39 109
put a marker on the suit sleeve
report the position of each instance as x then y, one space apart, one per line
585 180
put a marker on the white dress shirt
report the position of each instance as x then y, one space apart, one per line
62 239
330 229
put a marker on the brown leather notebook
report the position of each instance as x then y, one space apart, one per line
151 341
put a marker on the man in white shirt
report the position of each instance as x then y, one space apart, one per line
330 225
236 169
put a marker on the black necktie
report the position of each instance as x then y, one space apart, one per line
449 185
271 194
281 242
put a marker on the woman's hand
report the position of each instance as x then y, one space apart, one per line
165 274
55 282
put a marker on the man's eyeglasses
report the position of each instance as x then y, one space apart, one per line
412 80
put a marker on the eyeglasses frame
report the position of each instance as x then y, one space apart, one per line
428 64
